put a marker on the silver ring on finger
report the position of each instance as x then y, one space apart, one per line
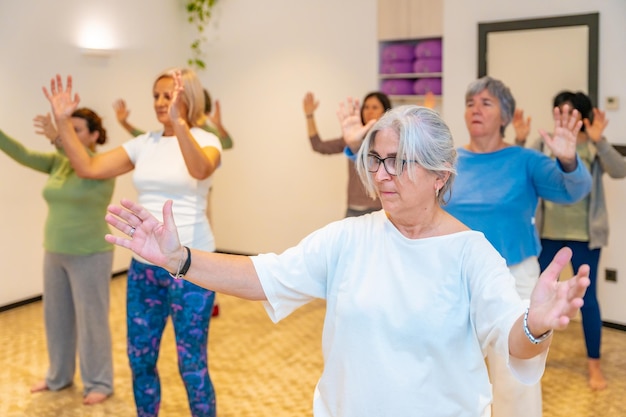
131 232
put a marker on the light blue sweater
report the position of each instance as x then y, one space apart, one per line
497 193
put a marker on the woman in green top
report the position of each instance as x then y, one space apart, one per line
77 261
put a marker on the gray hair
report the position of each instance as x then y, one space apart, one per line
425 140
500 91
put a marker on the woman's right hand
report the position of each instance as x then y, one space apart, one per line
121 111
594 130
521 126
63 105
44 126
309 104
154 241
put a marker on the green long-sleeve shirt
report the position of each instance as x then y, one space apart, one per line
75 223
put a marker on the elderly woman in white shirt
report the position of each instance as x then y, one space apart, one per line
413 296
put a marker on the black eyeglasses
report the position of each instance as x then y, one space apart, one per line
373 164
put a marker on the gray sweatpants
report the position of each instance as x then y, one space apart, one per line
76 312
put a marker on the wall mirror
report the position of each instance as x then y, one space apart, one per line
537 58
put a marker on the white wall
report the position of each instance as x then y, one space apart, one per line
273 189
263 57
461 20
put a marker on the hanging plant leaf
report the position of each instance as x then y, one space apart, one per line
199 13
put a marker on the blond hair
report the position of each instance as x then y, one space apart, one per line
193 94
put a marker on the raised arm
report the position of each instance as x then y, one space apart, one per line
309 105
222 133
200 162
613 163
159 243
327 147
521 126
121 114
553 304
101 166
562 142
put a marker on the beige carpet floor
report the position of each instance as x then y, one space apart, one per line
261 369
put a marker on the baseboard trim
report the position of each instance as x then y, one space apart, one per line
615 326
20 303
113 275
39 297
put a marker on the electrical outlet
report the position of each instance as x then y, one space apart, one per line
611 103
610 275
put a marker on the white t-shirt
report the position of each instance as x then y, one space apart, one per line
161 174
407 320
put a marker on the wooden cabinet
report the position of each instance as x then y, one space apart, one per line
409 19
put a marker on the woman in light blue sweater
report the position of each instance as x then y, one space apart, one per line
497 191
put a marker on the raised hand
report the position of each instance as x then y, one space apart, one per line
61 100
121 111
594 130
309 104
352 126
562 142
521 126
177 109
553 303
155 241
216 116
430 101
44 126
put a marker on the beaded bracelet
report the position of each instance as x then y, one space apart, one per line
534 340
182 269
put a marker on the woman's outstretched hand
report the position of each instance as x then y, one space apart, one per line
154 241
63 105
562 142
553 303
352 126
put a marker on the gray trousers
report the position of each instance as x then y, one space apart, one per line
76 314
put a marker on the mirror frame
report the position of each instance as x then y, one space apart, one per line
591 21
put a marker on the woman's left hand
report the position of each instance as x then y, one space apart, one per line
554 303
562 142
352 127
216 116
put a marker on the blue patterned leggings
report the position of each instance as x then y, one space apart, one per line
152 296
581 254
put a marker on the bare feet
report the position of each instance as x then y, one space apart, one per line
597 381
94 397
39 386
